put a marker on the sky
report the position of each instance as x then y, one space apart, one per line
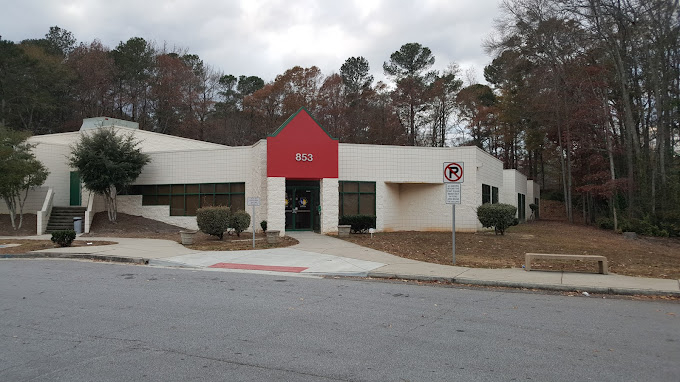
266 37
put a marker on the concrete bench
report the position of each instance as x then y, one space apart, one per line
601 260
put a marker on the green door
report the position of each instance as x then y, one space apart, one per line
75 188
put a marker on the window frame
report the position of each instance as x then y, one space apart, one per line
150 194
359 193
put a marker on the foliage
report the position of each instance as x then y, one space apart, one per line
355 72
604 222
359 223
213 221
582 96
108 162
500 216
64 238
239 221
642 227
20 172
263 225
408 67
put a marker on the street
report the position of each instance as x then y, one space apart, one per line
85 321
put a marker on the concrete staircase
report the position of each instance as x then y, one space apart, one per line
62 218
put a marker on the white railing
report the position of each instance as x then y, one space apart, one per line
44 214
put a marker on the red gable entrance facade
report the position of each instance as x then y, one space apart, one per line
302 149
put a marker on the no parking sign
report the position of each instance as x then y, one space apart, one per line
453 172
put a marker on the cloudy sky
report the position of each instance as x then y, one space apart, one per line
266 37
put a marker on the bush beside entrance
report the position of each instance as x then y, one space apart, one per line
359 223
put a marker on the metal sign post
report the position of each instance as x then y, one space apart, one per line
254 202
453 198
453 177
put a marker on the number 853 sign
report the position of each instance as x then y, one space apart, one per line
300 157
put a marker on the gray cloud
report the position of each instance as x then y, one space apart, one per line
266 37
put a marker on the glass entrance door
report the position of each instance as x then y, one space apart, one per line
302 206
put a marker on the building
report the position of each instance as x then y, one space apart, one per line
304 179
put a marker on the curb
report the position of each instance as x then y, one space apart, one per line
78 256
379 275
528 285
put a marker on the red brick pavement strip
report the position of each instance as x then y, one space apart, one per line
254 267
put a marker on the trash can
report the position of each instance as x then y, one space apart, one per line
78 224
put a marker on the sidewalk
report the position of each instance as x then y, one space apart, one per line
320 255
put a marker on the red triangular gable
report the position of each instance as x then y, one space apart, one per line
301 149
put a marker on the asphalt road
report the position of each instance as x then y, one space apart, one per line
81 321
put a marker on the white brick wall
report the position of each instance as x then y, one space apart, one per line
514 182
410 193
33 204
132 205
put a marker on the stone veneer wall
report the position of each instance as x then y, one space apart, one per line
330 198
276 207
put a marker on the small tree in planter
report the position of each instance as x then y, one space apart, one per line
108 162
239 221
213 220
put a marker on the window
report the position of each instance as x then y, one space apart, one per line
489 194
185 199
357 198
521 207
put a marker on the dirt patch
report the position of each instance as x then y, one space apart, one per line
28 245
133 227
140 227
28 227
646 257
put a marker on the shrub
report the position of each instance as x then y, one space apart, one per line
642 227
239 221
213 220
499 216
64 238
604 222
359 223
263 225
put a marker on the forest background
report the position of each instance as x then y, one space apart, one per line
581 95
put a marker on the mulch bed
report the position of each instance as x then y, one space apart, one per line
648 257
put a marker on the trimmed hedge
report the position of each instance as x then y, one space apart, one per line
359 223
213 220
64 238
239 221
500 216
263 225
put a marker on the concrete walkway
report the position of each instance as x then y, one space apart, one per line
321 255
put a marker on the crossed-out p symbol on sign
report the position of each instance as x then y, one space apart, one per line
453 172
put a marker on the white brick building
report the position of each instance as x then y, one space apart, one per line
304 178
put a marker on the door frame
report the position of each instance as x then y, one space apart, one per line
75 193
293 186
